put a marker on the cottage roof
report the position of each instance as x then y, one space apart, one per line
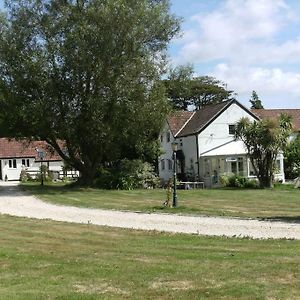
275 114
178 119
203 117
12 148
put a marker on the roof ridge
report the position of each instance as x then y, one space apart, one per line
193 113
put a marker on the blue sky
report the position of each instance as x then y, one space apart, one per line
248 44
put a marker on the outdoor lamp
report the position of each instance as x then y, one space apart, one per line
174 148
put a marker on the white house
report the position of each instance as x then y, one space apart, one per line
207 148
16 156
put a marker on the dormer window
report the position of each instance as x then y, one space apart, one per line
231 129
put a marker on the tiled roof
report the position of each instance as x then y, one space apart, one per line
275 114
202 117
178 120
11 148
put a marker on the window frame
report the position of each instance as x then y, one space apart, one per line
12 163
230 128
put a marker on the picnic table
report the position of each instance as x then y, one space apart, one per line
191 184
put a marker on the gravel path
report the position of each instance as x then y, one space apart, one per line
17 203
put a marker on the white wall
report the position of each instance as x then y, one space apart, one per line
189 147
166 147
217 133
14 173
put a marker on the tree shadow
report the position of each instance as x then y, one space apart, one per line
286 219
47 189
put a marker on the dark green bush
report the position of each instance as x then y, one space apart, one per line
237 181
127 175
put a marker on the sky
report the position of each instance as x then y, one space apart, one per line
247 44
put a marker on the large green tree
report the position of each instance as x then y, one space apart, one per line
86 72
186 91
292 158
264 140
255 101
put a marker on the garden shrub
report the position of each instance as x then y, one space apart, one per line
251 184
25 176
127 175
237 181
224 180
47 176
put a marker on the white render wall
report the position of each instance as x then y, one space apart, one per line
217 133
189 147
166 147
14 173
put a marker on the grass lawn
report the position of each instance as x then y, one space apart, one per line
281 203
51 260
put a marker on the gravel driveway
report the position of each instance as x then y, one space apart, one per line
17 203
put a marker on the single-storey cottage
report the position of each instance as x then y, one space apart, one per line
18 155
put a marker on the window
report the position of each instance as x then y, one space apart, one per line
25 162
231 129
277 167
241 166
168 137
170 167
162 164
12 163
237 165
251 169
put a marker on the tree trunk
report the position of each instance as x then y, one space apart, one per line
87 176
266 181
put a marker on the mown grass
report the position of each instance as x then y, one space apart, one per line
51 260
281 203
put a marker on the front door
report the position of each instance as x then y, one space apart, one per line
1 170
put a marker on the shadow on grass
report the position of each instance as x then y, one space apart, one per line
48 189
287 219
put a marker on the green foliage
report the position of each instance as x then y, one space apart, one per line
255 101
224 180
25 176
88 73
127 175
237 181
184 90
264 140
44 171
292 159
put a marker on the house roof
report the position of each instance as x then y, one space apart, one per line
275 114
230 148
178 120
203 117
12 148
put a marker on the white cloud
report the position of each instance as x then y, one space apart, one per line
278 88
241 31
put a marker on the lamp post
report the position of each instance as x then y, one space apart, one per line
41 155
174 148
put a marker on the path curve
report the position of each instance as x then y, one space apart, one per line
13 201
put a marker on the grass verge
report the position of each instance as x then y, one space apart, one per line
51 260
281 203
